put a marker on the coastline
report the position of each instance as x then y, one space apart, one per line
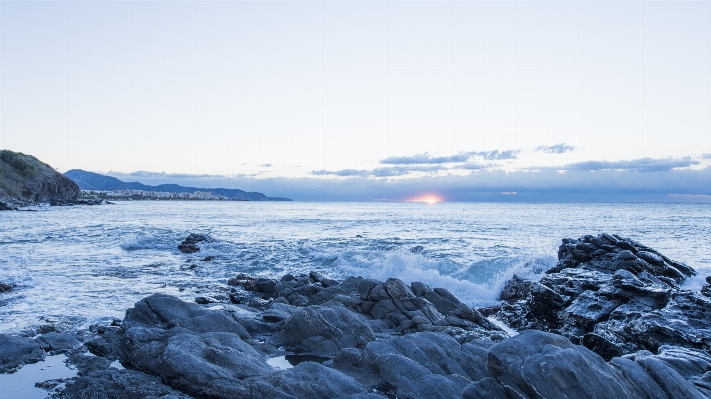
364 338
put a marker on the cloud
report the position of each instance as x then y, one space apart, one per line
426 158
472 166
342 172
266 165
555 148
377 172
497 155
706 156
637 165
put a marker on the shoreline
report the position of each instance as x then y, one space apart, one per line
363 338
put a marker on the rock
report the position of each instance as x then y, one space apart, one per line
55 341
25 180
324 331
243 280
418 365
536 364
516 289
307 380
15 352
165 311
190 244
5 287
613 295
97 379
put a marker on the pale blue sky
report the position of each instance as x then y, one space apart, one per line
333 89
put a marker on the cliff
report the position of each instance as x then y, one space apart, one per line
25 180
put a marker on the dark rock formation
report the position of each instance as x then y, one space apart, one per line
190 243
18 351
355 339
613 295
25 180
536 365
5 287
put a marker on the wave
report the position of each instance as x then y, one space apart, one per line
475 285
149 241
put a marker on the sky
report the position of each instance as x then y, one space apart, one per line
368 100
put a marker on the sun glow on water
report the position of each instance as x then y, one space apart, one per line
427 198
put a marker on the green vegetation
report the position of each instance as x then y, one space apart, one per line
18 162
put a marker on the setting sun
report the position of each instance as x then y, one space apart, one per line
428 198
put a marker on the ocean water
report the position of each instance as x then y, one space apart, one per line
72 266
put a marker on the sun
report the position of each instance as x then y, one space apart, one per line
427 198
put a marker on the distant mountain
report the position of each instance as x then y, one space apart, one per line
94 181
25 180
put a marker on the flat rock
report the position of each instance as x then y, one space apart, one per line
18 351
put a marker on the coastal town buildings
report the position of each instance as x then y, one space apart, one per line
143 194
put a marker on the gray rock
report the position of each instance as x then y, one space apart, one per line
323 331
97 379
18 351
165 311
190 243
55 341
307 380
536 364
615 296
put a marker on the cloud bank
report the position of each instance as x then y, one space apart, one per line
461 157
651 182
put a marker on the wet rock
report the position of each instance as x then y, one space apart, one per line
190 244
97 379
536 364
166 312
418 365
308 380
324 331
516 289
243 280
55 341
613 295
18 351
5 287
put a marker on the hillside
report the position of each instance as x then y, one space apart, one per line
95 181
25 180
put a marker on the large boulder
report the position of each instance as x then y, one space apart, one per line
308 380
536 365
191 348
613 295
417 365
324 331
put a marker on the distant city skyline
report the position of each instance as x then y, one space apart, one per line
367 100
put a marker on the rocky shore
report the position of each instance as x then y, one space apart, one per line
610 320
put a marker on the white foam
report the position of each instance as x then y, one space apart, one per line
414 267
147 241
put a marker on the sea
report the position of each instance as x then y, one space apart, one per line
75 266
